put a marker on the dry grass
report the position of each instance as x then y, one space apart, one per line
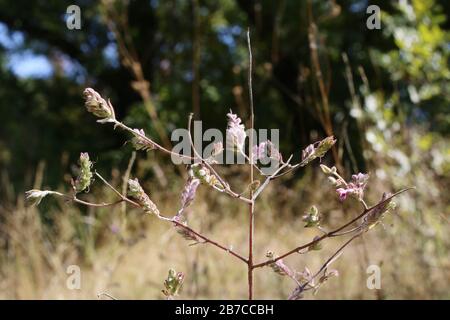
412 249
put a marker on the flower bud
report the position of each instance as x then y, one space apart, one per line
96 105
173 283
324 146
325 169
310 152
312 217
316 245
188 194
136 192
270 255
84 178
202 173
332 180
139 143
278 266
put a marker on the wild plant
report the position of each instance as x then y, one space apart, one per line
202 173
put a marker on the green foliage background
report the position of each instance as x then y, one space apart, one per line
42 117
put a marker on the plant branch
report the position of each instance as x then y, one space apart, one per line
206 239
124 198
329 261
268 179
161 217
148 140
90 204
333 233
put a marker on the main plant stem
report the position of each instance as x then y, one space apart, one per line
250 251
252 203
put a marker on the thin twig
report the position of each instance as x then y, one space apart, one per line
332 233
160 217
251 162
116 191
208 240
327 263
149 141
292 168
268 179
90 204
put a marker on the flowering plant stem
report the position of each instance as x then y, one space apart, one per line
161 217
252 203
251 266
333 233
202 171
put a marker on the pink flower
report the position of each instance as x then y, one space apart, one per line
188 194
355 187
264 150
360 179
235 132
308 152
342 193
139 143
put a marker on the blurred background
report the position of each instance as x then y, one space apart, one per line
318 71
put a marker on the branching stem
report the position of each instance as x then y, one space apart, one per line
330 234
161 217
